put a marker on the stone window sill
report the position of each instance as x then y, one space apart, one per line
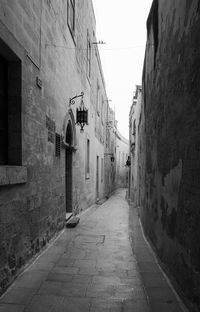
10 175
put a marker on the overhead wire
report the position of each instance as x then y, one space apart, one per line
85 49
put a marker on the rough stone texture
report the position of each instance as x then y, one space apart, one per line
122 152
13 175
110 146
35 35
96 267
170 135
89 268
136 157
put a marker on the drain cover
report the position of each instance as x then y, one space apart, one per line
87 238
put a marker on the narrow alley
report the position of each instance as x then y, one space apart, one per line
99 122
91 268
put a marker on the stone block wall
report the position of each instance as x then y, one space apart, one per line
170 132
35 36
122 152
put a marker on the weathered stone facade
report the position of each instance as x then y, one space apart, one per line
135 146
110 151
168 132
122 152
47 166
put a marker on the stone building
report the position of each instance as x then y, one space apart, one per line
135 146
169 135
110 152
48 55
122 152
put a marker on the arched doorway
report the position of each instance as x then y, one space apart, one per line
68 168
69 140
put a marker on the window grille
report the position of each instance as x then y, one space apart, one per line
57 145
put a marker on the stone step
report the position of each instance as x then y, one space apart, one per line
73 221
101 201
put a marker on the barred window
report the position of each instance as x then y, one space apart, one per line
57 145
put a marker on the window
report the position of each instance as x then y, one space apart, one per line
10 108
71 16
134 127
101 169
11 169
88 55
98 98
88 159
108 142
102 110
3 111
57 145
112 147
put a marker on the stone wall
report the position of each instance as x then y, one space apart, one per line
135 147
122 152
110 150
35 36
170 132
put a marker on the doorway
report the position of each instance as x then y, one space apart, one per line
68 168
68 180
97 178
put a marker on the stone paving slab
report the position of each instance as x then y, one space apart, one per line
165 307
92 268
18 295
44 303
153 279
103 305
31 279
11 308
135 306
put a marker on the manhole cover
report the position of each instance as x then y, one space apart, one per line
95 239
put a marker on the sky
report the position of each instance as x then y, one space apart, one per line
122 26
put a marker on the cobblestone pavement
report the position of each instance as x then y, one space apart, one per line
91 268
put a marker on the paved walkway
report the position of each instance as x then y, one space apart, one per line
91 268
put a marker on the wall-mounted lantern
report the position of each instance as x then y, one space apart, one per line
81 112
128 162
